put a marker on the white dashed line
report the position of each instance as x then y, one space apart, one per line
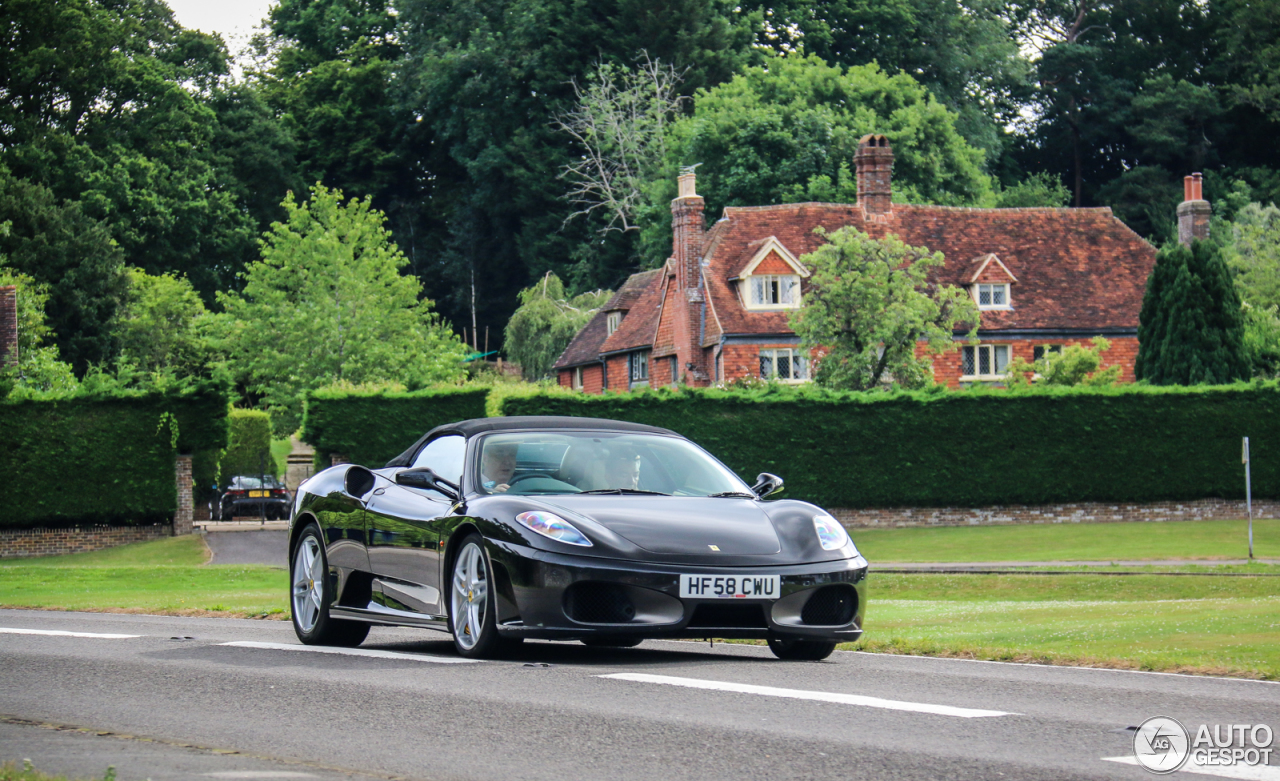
60 633
368 652
250 774
800 694
1246 772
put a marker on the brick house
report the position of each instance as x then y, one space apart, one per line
717 309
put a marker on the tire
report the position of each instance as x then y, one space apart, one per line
800 650
472 604
311 594
606 641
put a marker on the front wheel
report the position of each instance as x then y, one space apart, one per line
472 604
312 594
800 650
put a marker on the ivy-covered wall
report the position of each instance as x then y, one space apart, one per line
971 448
371 428
101 460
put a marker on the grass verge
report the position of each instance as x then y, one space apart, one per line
162 577
1139 541
26 772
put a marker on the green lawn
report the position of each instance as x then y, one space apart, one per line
167 576
1071 542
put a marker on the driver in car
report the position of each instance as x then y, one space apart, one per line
623 470
497 465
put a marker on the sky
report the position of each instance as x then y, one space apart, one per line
233 19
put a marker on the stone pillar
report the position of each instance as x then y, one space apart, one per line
184 517
337 458
688 224
874 164
1194 211
8 325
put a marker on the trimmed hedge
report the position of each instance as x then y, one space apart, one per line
371 428
971 448
101 460
249 446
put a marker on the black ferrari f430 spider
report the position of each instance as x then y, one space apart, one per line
601 531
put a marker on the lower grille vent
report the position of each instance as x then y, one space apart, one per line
598 603
728 617
830 606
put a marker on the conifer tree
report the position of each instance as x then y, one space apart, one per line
1191 328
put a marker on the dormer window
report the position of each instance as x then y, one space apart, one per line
993 296
612 321
775 290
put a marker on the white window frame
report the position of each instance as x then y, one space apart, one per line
1045 350
993 291
577 378
638 367
611 322
992 353
796 358
770 280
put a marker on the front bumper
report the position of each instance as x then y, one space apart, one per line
533 588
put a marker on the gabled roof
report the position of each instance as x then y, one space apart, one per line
639 328
1077 269
983 265
585 347
767 257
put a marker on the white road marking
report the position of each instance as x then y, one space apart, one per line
369 652
259 775
801 694
60 633
1246 772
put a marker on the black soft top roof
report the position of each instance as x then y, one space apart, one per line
469 428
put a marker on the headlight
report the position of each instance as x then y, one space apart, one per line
831 535
553 526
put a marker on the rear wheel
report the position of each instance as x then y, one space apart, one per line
472 604
800 650
312 594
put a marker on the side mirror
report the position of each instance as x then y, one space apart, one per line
358 481
766 485
424 477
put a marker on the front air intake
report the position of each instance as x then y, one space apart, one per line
831 606
598 603
728 617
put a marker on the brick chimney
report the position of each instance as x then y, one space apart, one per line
874 161
686 254
8 326
1193 212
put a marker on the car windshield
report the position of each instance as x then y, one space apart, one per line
249 483
600 462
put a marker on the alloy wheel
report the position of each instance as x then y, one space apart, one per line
470 595
308 583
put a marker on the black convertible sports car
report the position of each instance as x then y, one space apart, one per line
560 528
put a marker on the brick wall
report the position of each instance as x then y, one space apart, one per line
1124 351
29 543
184 516
8 325
1081 512
619 373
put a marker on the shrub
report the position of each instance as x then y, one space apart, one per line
249 446
973 448
372 428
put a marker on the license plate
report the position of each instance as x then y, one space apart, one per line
257 494
729 586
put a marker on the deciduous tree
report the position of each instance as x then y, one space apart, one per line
546 321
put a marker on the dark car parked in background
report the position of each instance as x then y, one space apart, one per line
253 496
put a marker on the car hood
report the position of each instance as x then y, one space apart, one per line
680 526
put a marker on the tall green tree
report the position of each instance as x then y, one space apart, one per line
38 366
162 326
545 322
1254 254
870 305
328 303
1191 327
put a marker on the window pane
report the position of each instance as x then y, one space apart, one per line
784 364
789 285
997 294
801 366
1037 352
644 365
773 290
984 360
1002 358
766 363
757 290
984 295
967 361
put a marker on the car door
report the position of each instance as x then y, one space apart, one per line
404 531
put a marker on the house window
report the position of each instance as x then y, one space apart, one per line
612 321
984 362
675 370
1041 350
577 378
786 364
774 291
639 366
993 296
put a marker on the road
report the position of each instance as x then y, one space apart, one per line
175 695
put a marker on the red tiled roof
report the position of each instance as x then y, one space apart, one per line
640 327
1077 269
586 346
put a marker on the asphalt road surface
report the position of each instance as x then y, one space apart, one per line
177 698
